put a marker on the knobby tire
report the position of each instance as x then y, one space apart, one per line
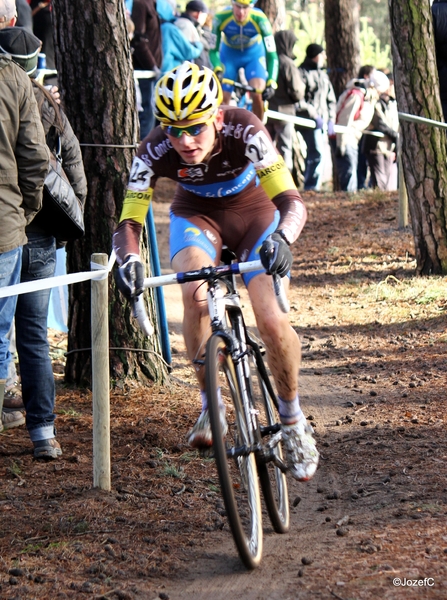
273 480
238 476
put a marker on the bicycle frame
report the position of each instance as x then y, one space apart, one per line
235 372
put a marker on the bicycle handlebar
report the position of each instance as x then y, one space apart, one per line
204 274
241 86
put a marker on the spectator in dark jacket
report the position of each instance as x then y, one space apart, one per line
24 15
147 56
318 104
39 260
42 11
439 12
290 90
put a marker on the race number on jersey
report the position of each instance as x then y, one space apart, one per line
261 151
140 175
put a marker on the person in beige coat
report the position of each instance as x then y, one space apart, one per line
24 160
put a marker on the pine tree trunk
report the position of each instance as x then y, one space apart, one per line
275 11
423 148
96 82
342 41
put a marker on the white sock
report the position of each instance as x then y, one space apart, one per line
290 411
205 400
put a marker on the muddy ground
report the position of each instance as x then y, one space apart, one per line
372 522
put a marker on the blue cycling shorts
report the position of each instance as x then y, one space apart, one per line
202 232
251 59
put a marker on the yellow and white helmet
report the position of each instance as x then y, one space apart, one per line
244 3
188 92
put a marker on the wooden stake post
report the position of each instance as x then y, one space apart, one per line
100 376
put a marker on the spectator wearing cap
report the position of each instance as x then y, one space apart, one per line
318 104
8 13
176 48
191 23
23 167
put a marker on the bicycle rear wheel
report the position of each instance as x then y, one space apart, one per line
236 463
273 480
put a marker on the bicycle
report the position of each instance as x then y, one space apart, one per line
250 451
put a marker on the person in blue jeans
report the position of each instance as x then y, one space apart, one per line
39 259
9 275
36 370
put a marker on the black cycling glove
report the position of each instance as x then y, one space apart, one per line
275 255
129 277
268 93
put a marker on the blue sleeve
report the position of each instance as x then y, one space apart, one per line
185 50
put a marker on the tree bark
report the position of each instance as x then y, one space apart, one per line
342 41
275 11
95 77
423 147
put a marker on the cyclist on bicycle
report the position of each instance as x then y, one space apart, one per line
218 155
244 40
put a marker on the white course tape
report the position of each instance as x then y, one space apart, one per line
99 272
414 119
272 114
144 74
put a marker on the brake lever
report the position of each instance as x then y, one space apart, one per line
139 312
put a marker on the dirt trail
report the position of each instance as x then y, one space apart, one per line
373 381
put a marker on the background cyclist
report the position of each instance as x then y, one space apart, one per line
218 155
244 40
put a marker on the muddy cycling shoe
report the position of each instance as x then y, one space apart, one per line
301 454
12 419
200 435
47 449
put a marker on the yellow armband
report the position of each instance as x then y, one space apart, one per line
276 178
136 205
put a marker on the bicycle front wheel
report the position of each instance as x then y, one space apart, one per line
273 480
233 452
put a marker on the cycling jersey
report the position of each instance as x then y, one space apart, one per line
254 34
243 169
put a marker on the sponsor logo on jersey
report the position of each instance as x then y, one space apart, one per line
154 153
191 233
271 169
210 235
190 173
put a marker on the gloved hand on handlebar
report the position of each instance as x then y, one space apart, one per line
219 72
269 91
129 277
275 255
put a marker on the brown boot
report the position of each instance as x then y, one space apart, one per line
13 399
47 449
12 419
